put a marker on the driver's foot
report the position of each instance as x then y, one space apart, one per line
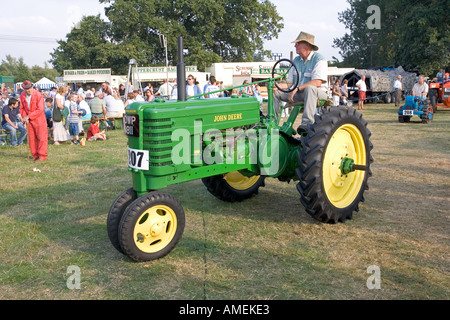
302 130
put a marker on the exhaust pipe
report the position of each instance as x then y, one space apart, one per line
181 72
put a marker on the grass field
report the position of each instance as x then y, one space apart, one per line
267 247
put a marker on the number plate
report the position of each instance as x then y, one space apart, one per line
131 125
138 159
408 112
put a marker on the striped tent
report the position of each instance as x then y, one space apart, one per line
45 83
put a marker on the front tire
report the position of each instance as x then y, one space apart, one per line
115 215
151 226
326 192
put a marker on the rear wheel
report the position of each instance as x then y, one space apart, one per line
151 226
427 115
335 165
233 186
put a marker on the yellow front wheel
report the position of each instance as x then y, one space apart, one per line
151 226
335 165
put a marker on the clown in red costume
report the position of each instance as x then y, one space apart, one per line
32 109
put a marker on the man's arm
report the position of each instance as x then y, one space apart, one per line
6 116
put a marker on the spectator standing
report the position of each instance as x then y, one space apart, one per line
52 93
60 133
212 81
344 92
32 110
191 88
361 84
3 99
122 91
336 93
165 90
440 75
211 88
258 96
12 122
88 94
74 118
398 90
49 115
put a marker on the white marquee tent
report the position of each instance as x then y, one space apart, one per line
45 83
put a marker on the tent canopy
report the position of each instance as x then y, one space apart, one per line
45 83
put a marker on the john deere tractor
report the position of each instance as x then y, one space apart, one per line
233 149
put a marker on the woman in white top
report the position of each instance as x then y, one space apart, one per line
120 105
60 133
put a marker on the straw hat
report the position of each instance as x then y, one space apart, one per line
306 37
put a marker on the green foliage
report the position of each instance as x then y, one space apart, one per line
86 46
414 34
213 31
21 72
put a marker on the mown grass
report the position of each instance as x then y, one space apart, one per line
265 248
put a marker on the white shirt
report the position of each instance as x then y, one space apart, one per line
420 89
165 90
212 88
111 104
190 91
139 98
362 85
398 84
84 105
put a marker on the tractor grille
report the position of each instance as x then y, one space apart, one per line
157 140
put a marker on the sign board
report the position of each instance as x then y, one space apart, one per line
87 75
159 73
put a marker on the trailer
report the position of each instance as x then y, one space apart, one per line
380 83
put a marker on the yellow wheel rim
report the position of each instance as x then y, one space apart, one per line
155 229
342 189
238 181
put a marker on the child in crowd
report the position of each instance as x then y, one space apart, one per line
74 118
211 88
48 115
94 133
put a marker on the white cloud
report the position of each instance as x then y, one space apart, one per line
73 16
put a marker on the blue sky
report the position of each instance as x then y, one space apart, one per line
29 29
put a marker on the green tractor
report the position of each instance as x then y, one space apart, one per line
232 148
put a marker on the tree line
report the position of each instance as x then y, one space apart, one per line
414 34
213 31
17 68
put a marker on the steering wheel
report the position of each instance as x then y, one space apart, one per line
289 75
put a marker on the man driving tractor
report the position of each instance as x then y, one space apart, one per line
312 68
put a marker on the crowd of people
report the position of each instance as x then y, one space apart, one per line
57 115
